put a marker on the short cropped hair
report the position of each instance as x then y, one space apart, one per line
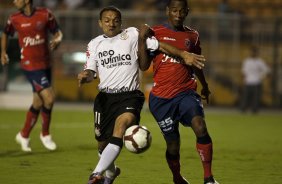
169 2
110 8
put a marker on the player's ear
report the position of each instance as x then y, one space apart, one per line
187 12
100 23
167 11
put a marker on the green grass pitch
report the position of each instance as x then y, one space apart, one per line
247 150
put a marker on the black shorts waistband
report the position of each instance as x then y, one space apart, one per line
121 93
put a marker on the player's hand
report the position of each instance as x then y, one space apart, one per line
145 31
56 40
54 44
82 77
205 93
85 77
193 59
4 59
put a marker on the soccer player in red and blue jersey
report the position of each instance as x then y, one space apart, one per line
173 98
32 25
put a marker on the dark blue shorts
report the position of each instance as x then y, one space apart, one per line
169 112
39 79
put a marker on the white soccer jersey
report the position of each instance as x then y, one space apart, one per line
115 60
254 70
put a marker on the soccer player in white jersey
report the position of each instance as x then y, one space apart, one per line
113 56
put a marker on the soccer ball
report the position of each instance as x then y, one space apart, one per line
137 139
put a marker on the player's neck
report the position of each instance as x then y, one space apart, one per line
179 28
176 28
28 10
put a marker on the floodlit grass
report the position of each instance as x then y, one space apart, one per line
247 150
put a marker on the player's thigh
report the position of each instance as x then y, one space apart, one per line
116 110
165 112
39 79
48 95
190 106
199 126
104 117
36 101
122 122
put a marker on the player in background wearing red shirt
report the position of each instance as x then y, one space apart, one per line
32 25
173 98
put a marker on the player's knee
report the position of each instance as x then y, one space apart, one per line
122 123
48 97
199 126
173 147
37 103
49 101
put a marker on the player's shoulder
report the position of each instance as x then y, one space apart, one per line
42 9
191 30
130 33
16 14
130 30
98 38
158 27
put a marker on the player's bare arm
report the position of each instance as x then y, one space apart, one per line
190 59
205 92
143 56
4 56
56 40
85 76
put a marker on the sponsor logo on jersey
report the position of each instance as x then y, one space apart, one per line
26 25
27 62
168 38
87 53
187 43
109 59
167 58
29 41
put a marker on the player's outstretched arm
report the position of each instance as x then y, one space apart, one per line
4 56
56 40
143 56
85 76
190 59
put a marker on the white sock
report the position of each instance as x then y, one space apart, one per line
108 156
110 172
